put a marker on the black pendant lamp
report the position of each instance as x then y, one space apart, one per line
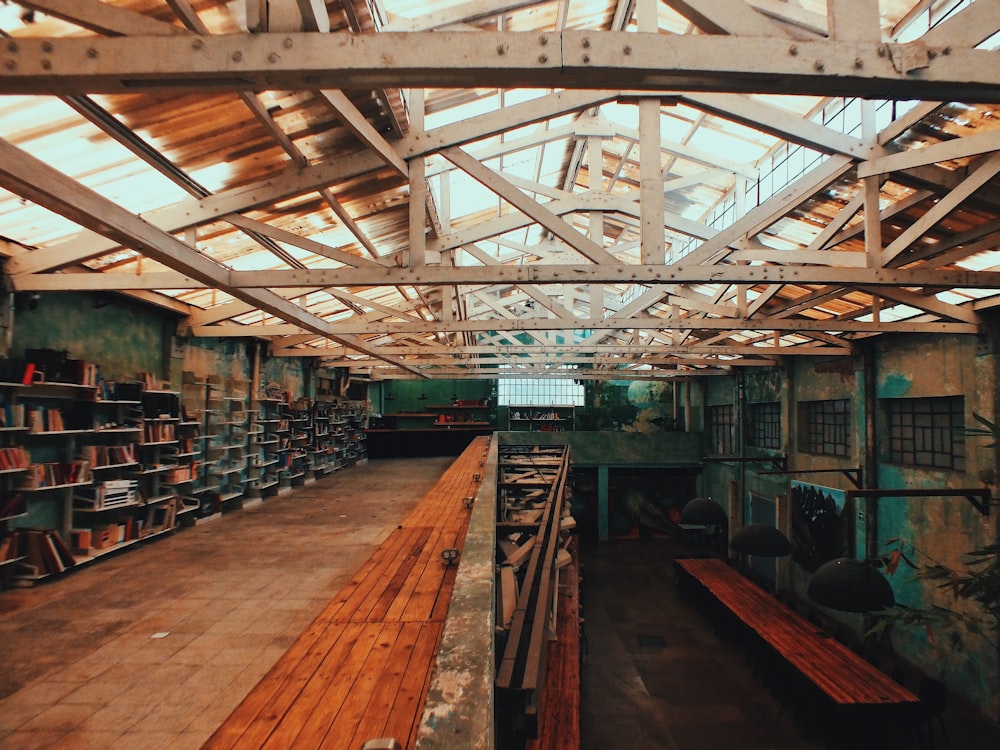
703 511
850 586
760 540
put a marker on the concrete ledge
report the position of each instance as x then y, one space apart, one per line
458 714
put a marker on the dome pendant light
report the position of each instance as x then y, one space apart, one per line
850 586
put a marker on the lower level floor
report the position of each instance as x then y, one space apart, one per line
154 647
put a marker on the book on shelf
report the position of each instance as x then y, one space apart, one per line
13 504
14 457
159 432
108 455
45 419
12 415
45 550
9 548
53 474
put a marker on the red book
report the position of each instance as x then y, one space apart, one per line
29 373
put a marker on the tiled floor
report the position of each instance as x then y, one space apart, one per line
154 647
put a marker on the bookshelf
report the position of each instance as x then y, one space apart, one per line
356 437
228 428
551 418
292 445
14 462
200 498
89 469
262 447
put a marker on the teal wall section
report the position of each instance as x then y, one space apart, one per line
940 530
394 396
589 448
122 337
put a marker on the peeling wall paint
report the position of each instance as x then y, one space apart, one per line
124 339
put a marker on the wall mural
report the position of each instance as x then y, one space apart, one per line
819 530
628 406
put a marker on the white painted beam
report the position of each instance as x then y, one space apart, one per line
495 182
340 329
656 276
24 175
956 148
356 122
982 173
568 59
726 17
103 18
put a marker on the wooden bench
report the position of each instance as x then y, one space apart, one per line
843 676
362 668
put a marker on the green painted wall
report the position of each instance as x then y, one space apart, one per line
936 529
940 529
394 396
122 337
590 448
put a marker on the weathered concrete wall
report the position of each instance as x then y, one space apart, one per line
589 448
122 337
940 530
716 477
931 530
458 713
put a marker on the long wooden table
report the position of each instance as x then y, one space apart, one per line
842 675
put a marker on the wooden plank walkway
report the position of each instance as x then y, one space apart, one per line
559 714
362 668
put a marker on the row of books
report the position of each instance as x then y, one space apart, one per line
109 455
182 473
13 504
54 474
43 549
45 419
12 415
14 457
159 432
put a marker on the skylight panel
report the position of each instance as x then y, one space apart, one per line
465 111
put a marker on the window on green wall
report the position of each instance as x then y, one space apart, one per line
539 392
927 431
720 429
765 425
825 427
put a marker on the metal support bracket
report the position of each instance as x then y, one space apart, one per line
855 475
979 497
779 462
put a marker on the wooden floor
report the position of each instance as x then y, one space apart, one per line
362 668
559 714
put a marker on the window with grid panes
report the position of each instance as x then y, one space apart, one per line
539 392
765 425
720 429
927 431
826 427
